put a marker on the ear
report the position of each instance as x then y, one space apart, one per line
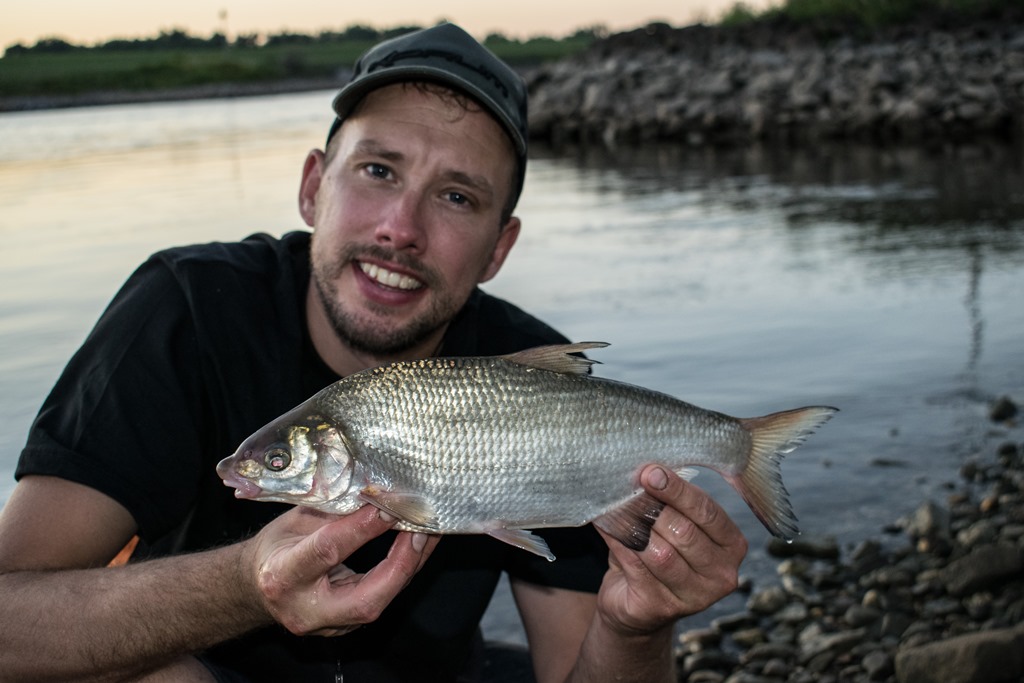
312 174
506 239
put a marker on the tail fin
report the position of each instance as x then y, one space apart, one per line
760 481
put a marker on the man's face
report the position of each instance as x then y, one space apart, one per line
407 218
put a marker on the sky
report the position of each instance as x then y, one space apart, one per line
86 23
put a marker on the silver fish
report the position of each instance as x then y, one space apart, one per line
498 445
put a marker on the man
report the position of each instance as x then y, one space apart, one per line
411 205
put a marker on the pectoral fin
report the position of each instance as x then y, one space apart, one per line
521 538
408 507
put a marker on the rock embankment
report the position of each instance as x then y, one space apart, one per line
945 607
705 84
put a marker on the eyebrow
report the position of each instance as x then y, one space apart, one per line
370 146
478 183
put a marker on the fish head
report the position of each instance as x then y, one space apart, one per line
300 458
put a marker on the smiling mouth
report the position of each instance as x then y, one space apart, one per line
389 278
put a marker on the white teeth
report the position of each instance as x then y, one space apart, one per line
389 278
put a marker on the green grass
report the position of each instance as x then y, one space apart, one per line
87 70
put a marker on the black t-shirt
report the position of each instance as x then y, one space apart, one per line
204 345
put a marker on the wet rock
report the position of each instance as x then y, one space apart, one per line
822 548
831 644
867 556
749 637
712 659
878 665
700 639
929 521
947 609
798 588
981 532
705 677
895 624
1009 455
794 613
858 616
768 601
765 651
735 622
989 657
1003 409
747 677
984 567
706 84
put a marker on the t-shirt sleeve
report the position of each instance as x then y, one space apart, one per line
125 416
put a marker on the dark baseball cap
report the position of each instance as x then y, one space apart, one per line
448 55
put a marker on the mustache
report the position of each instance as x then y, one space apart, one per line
413 265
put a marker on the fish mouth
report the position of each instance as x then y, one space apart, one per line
389 278
244 488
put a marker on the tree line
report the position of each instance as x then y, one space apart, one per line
179 39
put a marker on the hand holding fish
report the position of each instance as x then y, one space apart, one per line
691 561
298 572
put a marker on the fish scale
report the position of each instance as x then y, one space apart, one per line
500 445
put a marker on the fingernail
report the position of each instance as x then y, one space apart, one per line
419 542
657 478
386 517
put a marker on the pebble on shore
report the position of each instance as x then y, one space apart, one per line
947 607
712 84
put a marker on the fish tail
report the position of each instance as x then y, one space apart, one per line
760 480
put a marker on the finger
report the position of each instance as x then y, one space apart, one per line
420 544
332 543
341 574
622 558
362 599
692 503
412 550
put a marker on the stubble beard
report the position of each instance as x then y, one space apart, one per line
373 333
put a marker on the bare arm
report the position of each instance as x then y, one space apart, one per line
65 615
625 632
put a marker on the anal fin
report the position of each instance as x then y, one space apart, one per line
521 538
631 522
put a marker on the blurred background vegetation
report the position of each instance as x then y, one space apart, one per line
175 59
857 15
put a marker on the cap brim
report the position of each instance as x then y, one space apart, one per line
350 96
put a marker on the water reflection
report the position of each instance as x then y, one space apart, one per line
901 194
901 213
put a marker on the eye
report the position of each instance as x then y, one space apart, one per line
457 198
378 171
276 459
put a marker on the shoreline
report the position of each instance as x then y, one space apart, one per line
946 607
28 103
764 82
704 85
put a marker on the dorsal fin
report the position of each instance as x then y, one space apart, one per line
557 358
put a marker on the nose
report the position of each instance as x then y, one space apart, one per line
402 225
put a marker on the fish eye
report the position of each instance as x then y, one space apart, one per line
276 459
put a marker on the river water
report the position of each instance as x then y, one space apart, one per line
885 281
